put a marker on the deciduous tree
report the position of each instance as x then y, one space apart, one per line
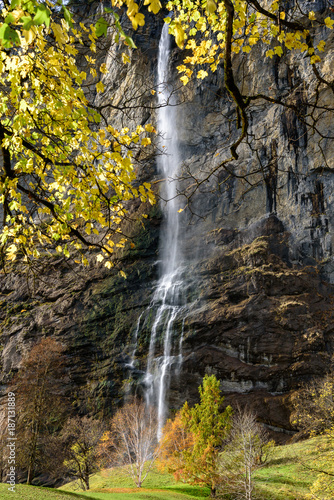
314 414
66 173
40 404
191 444
132 440
246 450
314 406
81 437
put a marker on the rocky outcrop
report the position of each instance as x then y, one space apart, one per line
260 324
259 257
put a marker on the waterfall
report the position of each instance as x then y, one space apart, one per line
167 301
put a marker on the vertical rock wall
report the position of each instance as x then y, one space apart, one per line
260 253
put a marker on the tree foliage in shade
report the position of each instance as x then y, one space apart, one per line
40 404
81 437
313 406
191 443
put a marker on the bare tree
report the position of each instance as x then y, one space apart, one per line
245 452
132 441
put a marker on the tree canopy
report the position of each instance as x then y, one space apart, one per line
67 173
191 442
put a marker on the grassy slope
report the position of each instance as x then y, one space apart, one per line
24 492
283 478
156 486
287 476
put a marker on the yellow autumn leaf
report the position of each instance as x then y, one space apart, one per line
311 15
278 50
99 87
211 6
29 35
179 35
146 141
329 22
202 74
125 58
154 5
137 20
315 59
149 128
60 35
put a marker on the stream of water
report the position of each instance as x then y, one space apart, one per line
167 302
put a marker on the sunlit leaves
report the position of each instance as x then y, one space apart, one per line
153 5
196 22
42 15
68 181
329 22
101 27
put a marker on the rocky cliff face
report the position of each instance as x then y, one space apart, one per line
259 256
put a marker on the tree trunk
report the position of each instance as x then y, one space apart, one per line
213 492
86 481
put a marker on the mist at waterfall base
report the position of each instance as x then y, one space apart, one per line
168 303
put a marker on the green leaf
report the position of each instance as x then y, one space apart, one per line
8 36
42 16
108 10
119 28
101 27
27 22
130 43
67 16
15 3
10 18
252 18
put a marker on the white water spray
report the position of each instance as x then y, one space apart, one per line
167 300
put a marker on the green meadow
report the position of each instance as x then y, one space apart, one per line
286 476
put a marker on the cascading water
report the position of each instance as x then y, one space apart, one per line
167 300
